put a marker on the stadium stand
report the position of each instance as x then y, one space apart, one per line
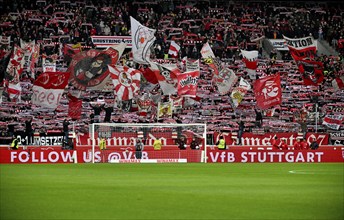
228 27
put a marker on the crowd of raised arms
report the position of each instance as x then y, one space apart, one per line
228 27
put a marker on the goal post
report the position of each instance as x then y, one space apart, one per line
121 138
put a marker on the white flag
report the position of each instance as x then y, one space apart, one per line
142 39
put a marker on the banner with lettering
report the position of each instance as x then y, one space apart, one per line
244 155
301 48
109 41
187 83
48 88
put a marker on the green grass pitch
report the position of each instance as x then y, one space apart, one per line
172 191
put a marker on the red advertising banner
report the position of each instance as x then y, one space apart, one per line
250 139
245 155
234 155
53 155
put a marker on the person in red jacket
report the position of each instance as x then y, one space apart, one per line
304 145
297 144
284 145
275 143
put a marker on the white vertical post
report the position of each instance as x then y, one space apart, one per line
93 143
205 143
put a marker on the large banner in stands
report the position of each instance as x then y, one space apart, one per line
245 155
108 41
250 139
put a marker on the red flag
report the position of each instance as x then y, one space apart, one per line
187 83
74 106
312 72
268 91
48 88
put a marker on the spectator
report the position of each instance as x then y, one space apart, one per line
14 143
297 144
138 148
284 145
275 143
314 145
102 147
259 118
304 144
29 131
240 131
65 131
221 143
194 145
181 142
157 144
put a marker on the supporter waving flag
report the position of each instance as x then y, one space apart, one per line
48 88
167 78
312 72
192 65
16 65
239 92
142 39
187 83
144 103
250 59
75 104
268 91
89 69
69 50
126 81
301 48
333 121
14 91
209 58
174 49
225 81
165 109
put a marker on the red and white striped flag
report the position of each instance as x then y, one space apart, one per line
174 49
333 121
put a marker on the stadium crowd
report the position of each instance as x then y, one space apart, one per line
226 26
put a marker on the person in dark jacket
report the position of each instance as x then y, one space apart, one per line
181 142
139 148
240 131
194 145
314 145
